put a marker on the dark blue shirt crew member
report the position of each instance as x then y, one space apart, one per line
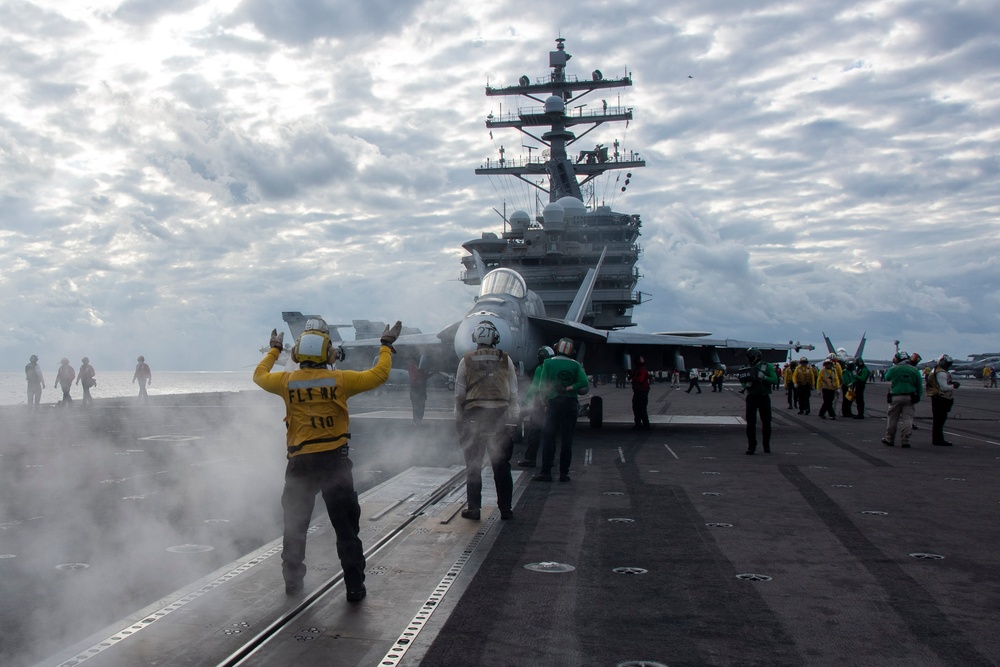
758 381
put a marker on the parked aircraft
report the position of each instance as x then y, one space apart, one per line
976 364
872 364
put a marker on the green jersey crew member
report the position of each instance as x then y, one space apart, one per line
905 389
561 381
317 424
761 378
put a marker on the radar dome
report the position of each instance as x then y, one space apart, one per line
555 104
519 221
572 206
554 216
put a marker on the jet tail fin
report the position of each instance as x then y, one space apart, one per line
297 324
480 265
829 344
861 347
581 301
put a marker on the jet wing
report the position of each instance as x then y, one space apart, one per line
433 352
612 351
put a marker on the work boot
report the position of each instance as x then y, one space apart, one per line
471 514
357 594
543 477
525 463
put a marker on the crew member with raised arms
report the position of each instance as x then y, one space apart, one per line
317 426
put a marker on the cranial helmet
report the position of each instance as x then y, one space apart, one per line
312 347
944 362
33 358
485 333
64 361
565 346
803 361
850 365
85 360
141 359
544 353
317 324
753 355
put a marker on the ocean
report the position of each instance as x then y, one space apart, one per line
118 384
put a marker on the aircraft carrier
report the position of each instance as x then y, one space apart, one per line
554 249
135 536
150 535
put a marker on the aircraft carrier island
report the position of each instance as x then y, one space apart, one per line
554 250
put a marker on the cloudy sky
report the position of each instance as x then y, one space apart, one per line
175 173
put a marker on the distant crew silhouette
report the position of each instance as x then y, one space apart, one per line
33 376
144 377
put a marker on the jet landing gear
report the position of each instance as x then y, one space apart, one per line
594 411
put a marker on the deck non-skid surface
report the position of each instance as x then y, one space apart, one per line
668 546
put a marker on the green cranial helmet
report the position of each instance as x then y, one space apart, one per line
565 346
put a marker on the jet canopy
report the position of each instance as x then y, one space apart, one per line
503 281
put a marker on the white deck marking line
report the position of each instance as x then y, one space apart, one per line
413 628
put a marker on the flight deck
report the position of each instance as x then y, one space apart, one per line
668 547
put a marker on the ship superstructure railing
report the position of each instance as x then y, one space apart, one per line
625 159
511 118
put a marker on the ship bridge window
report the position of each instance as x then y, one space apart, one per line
503 281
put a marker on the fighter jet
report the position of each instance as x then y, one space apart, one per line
844 357
519 315
976 363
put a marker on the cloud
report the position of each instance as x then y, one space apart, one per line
298 22
143 12
185 164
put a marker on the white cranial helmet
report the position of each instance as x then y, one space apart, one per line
485 333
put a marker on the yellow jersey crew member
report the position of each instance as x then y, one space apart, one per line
317 424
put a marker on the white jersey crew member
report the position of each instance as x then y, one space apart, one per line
485 401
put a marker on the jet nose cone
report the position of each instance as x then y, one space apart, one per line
463 337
